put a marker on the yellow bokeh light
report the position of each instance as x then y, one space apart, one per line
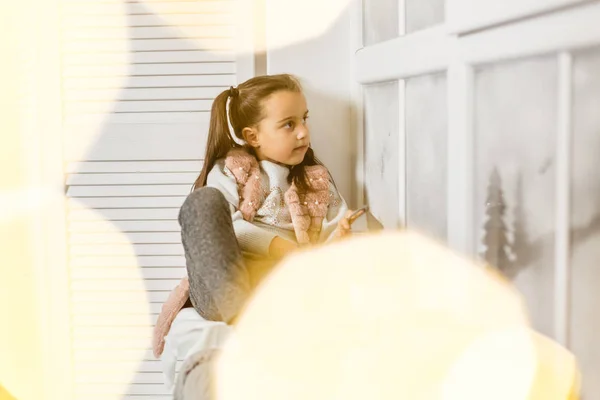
387 316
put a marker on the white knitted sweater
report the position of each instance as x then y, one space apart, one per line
273 217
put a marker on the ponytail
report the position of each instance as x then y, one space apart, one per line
219 140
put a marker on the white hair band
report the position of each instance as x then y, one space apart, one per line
237 140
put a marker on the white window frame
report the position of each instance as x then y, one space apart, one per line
468 15
443 48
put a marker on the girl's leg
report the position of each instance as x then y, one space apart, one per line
219 281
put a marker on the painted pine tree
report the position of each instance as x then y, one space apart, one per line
495 241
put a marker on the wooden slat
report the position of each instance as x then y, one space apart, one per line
123 226
88 396
130 367
117 7
115 308
127 249
143 94
181 69
118 142
110 354
113 354
126 202
143 377
113 343
102 119
147 214
124 249
156 32
117 261
137 106
152 82
134 166
208 68
123 321
131 250
118 21
149 57
119 250
112 285
114 338
149 2
137 190
150 214
128 238
166 178
121 297
131 389
142 346
114 320
141 134
124 214
112 332
87 46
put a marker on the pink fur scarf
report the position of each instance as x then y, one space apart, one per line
307 209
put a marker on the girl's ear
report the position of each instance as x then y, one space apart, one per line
251 137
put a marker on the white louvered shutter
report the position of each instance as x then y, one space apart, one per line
138 83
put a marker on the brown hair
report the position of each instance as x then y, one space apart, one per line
246 110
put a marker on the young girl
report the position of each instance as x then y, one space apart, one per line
261 194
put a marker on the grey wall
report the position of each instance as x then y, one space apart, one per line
585 219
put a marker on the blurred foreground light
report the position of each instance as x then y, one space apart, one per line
296 21
17 203
110 310
4 395
389 316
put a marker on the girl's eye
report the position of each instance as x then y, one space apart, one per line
289 125
305 119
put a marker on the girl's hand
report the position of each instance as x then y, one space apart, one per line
344 228
280 247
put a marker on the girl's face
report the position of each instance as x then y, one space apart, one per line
282 135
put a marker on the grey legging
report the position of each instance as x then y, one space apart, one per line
219 281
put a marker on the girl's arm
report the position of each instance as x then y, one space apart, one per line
251 238
280 247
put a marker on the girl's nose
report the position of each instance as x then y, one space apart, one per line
302 133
